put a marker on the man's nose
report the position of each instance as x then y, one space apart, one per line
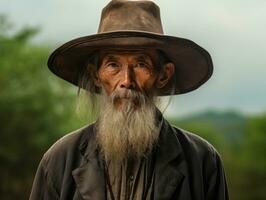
128 78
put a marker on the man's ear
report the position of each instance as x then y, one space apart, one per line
165 75
96 80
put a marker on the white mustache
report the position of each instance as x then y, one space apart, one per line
127 94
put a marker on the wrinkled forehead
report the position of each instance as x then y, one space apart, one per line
143 53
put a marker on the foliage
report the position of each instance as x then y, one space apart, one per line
35 110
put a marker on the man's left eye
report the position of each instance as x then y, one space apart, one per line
142 64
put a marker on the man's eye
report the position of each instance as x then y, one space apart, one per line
142 64
112 64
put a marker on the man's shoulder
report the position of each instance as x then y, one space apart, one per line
69 145
198 151
193 143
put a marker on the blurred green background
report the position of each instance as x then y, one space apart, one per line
36 109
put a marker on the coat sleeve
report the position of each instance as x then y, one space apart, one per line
42 188
216 184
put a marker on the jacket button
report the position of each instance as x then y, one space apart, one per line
131 178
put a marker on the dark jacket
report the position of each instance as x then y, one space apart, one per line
186 168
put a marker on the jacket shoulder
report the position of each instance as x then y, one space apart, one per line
205 163
196 146
67 149
70 140
56 166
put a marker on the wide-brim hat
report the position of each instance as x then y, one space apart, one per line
135 24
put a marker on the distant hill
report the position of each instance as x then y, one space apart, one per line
230 125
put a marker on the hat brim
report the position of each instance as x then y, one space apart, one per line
193 64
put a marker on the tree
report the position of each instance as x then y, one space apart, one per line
35 109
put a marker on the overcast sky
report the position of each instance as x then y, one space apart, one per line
234 32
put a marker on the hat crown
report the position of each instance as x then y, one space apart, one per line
131 15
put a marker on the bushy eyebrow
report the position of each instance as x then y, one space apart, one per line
109 58
144 58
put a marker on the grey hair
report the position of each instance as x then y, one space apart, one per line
163 60
87 90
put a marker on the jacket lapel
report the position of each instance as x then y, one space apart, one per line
89 177
171 181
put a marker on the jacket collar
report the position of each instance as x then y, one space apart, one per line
89 177
170 166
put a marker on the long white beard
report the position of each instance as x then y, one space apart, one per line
129 131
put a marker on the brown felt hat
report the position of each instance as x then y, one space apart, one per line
135 24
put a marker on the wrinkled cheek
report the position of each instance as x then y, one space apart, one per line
106 87
147 84
105 82
146 80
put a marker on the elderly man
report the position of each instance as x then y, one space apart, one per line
131 151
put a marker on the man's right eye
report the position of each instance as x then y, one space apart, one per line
112 64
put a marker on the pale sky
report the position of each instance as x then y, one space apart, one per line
234 32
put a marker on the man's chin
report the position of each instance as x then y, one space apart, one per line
126 103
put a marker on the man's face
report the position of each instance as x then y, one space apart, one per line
127 123
129 70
